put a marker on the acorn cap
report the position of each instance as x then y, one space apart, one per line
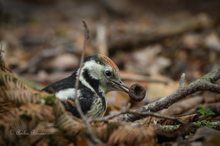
137 92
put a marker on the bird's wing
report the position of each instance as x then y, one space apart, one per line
68 82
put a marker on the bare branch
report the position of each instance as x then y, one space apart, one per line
142 114
157 115
205 83
94 139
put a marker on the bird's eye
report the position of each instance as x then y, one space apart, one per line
108 73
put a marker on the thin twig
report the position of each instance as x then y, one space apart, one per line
123 110
78 106
141 78
182 82
145 80
127 111
152 114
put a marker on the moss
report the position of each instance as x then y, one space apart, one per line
169 127
210 77
206 123
50 100
205 112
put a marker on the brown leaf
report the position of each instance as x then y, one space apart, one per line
205 134
130 136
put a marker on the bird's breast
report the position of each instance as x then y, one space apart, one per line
92 104
97 108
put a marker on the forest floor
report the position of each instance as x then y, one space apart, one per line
162 49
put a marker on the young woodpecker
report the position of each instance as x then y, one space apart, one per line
99 75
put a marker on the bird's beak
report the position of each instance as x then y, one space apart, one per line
121 86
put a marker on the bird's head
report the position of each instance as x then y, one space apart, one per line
100 73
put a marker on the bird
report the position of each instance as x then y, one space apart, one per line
99 75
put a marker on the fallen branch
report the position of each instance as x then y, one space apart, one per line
205 83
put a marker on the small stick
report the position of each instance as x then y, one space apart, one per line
145 114
152 114
182 82
78 106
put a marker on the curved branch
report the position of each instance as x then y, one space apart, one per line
205 83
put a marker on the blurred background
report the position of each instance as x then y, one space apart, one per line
152 41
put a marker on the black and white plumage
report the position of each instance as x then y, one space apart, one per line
99 75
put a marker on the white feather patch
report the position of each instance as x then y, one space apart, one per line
94 69
66 93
